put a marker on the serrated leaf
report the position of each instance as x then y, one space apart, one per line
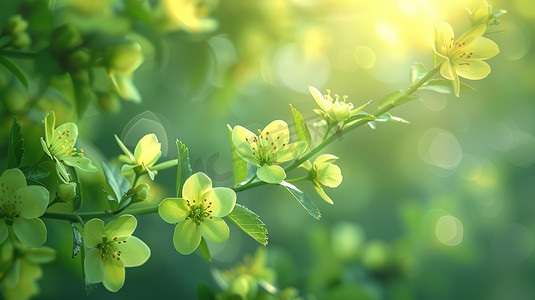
301 129
203 247
77 243
118 184
16 145
239 166
307 204
15 70
249 222
418 71
183 167
37 173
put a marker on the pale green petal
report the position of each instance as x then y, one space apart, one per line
123 227
472 33
221 201
11 279
291 151
134 252
62 171
271 174
195 186
456 82
125 87
149 172
473 70
93 266
93 232
480 13
148 150
187 237
173 210
114 275
306 165
40 255
339 112
45 147
50 122
446 70
12 180
318 96
127 169
82 163
125 150
275 134
321 193
482 48
443 38
214 230
30 232
165 165
3 231
66 140
33 201
328 174
325 158
243 140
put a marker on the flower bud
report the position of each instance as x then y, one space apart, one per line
244 285
124 58
141 192
66 37
21 40
15 24
66 191
78 60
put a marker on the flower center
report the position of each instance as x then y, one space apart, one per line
108 249
64 145
265 147
9 204
200 211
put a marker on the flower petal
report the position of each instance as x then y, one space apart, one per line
82 163
123 227
45 147
66 140
148 150
134 252
446 70
30 232
93 266
243 140
290 151
195 186
471 34
275 133
482 48
173 210
12 180
50 122
443 38
474 70
125 87
340 112
322 193
214 230
306 165
93 232
271 174
114 275
222 201
318 96
328 174
187 237
3 231
328 158
33 201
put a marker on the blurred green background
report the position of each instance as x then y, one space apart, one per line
441 208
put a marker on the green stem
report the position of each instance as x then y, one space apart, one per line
75 217
298 179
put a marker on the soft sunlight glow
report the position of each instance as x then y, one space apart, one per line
449 230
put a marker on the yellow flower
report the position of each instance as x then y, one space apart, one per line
465 56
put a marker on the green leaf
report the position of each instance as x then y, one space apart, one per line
118 184
82 93
307 204
183 167
16 145
204 292
443 86
203 247
239 166
76 241
357 117
249 222
418 71
300 126
37 173
16 71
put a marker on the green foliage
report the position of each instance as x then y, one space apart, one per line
16 145
307 204
249 222
300 126
239 166
117 183
205 251
77 242
183 167
15 70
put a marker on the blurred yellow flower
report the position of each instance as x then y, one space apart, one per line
465 56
